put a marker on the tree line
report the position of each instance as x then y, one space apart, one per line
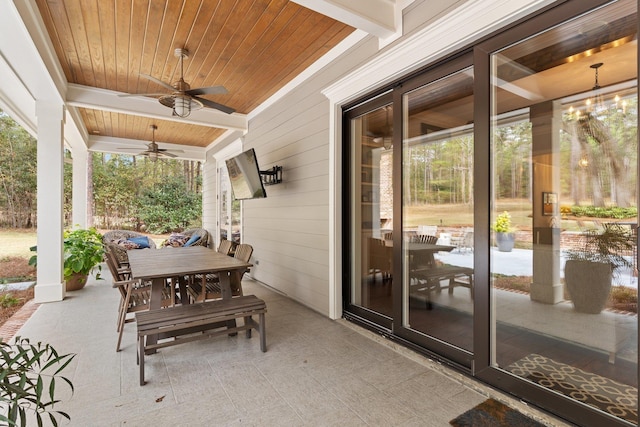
597 160
126 191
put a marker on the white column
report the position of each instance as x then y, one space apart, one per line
50 283
80 186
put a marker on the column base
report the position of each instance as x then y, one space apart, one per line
49 292
544 293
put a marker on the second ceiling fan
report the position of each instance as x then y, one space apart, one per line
182 98
153 151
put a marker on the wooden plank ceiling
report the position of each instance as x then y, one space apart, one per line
251 47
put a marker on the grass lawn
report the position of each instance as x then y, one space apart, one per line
17 242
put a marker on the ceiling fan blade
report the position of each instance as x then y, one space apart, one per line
158 81
215 105
211 90
166 150
142 94
166 153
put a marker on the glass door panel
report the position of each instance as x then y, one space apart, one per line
371 211
437 218
564 204
229 215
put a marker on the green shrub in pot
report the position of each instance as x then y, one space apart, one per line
83 255
589 270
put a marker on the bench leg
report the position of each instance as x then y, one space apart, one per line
141 358
247 321
263 335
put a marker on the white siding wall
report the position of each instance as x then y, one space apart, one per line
289 230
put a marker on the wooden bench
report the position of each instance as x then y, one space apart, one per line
428 279
193 322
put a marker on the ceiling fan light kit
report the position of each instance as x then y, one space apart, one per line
182 99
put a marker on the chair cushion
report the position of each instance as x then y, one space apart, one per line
142 242
192 240
176 240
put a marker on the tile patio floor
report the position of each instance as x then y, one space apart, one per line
316 372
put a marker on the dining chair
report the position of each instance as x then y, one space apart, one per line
226 247
134 294
211 282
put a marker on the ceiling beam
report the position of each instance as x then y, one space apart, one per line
108 100
376 17
108 144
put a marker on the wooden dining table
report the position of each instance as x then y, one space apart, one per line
158 265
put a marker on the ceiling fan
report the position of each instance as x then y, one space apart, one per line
182 98
153 151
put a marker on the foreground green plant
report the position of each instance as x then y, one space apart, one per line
25 368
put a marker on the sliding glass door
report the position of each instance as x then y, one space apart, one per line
563 253
438 210
370 197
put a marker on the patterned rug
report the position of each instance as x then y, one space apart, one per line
492 413
602 393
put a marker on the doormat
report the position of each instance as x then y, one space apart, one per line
492 413
620 400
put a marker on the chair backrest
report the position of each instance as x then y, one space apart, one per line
112 263
243 252
424 238
225 247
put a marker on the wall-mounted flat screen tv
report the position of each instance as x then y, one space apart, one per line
244 175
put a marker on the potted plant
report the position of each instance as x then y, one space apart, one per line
505 233
83 255
588 271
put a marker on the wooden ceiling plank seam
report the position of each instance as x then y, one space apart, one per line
155 16
289 14
208 44
106 17
91 20
322 48
217 30
136 42
235 45
275 67
164 50
56 40
122 34
188 13
79 34
64 31
254 40
197 35
264 35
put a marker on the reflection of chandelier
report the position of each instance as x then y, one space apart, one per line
597 104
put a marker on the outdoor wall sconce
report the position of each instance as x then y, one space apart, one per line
272 176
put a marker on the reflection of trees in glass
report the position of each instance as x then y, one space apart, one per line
440 172
511 157
603 154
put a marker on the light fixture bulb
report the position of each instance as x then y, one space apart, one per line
182 106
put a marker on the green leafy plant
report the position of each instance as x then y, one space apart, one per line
502 223
609 246
28 380
83 252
